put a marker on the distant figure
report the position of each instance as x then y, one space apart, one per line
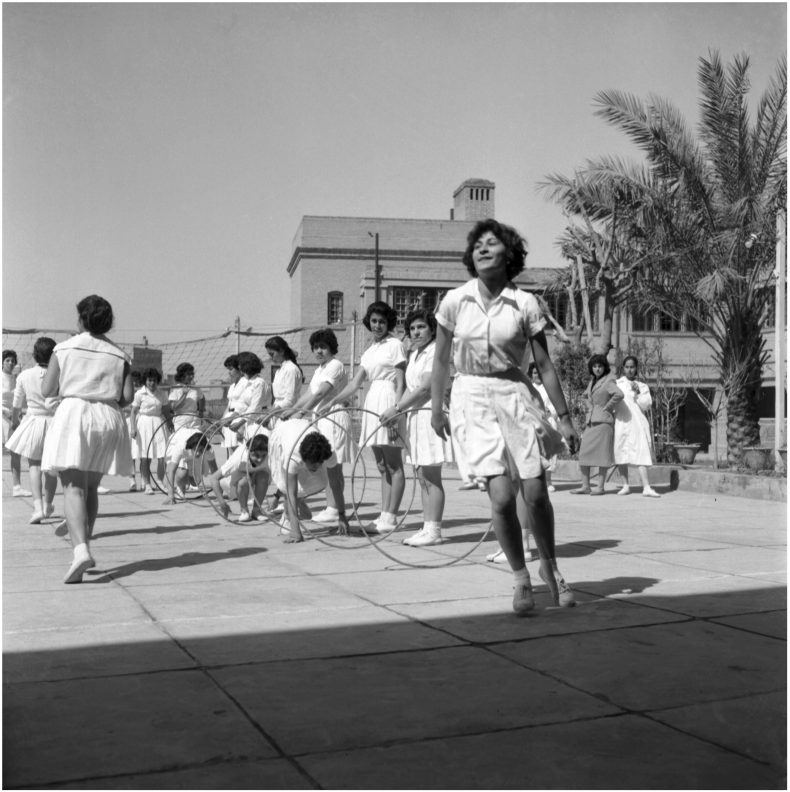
187 406
597 446
255 397
137 383
384 364
229 437
247 464
287 382
9 383
150 419
632 441
29 435
87 438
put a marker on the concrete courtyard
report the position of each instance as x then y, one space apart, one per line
205 654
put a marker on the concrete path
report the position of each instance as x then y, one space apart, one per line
201 654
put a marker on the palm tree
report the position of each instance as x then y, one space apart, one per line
694 226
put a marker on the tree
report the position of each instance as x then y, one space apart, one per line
691 231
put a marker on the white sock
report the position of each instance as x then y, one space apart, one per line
37 507
81 550
432 526
521 576
387 517
332 511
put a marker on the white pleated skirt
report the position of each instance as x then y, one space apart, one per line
88 436
425 446
336 427
28 438
381 397
152 437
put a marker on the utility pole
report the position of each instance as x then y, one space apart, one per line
780 344
376 268
238 334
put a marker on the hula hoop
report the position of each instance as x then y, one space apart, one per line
389 534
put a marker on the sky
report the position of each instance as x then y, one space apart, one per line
163 155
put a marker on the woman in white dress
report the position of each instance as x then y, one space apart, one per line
384 364
632 442
427 452
9 383
88 436
254 399
150 410
329 379
230 439
28 438
287 382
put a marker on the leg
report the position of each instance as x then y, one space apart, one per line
243 494
145 473
378 456
647 490
260 483
599 490
393 460
34 467
16 476
77 484
540 519
432 493
623 471
585 487
50 485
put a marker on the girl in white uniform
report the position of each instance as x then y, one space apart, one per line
501 435
329 379
384 364
230 439
632 442
287 382
255 398
427 452
28 438
9 384
87 437
150 418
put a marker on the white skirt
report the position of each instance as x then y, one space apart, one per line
425 446
499 428
152 437
28 438
381 397
336 427
88 436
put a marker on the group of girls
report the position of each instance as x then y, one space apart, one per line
616 430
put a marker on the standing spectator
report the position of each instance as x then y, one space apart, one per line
150 419
632 442
287 382
9 383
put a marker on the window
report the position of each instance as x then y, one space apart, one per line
560 308
406 299
334 307
668 324
643 321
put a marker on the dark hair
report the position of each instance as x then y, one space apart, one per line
196 439
315 448
515 250
421 313
95 313
626 359
533 366
279 344
249 364
258 443
9 353
42 350
152 373
326 337
381 308
601 360
136 375
184 370
231 361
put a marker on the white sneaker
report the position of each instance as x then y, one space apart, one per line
244 517
625 490
37 517
649 492
551 488
102 490
18 492
424 538
497 558
149 490
327 516
78 566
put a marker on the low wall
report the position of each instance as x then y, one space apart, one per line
724 482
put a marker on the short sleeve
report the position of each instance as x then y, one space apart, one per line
137 402
331 374
447 312
19 394
397 355
533 317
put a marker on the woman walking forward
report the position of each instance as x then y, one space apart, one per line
87 437
502 437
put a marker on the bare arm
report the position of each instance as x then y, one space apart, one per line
540 354
439 375
51 381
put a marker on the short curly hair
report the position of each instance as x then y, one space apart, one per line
231 361
383 309
184 370
151 373
95 313
425 315
10 353
598 360
515 248
315 448
325 337
249 364
42 350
